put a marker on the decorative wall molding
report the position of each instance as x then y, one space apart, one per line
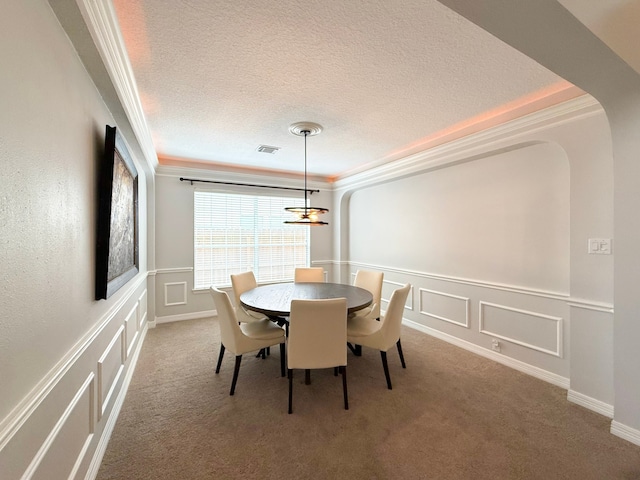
85 390
587 305
630 434
590 403
474 144
536 372
481 321
571 301
110 424
131 329
467 308
102 24
113 355
173 286
466 281
165 271
20 414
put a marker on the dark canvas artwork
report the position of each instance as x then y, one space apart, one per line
117 245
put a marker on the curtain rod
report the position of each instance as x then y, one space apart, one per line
247 185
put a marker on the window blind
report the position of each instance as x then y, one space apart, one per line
236 233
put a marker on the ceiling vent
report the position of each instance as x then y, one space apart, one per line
267 149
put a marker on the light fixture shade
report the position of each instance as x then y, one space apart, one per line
306 215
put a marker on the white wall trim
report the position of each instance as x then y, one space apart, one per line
166 294
587 305
44 448
468 146
103 400
102 24
165 271
467 281
557 352
590 403
19 415
571 301
101 448
467 308
185 316
630 434
536 372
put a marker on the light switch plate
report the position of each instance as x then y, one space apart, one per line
599 246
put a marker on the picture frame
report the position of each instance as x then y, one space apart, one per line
117 245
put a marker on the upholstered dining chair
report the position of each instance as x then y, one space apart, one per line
317 339
311 274
241 282
382 335
371 281
246 337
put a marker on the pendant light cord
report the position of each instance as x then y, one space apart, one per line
306 132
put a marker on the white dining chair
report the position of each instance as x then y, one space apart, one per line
310 274
371 281
317 339
243 338
384 334
241 282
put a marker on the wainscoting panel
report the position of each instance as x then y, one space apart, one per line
175 293
389 286
131 330
61 429
110 368
73 433
142 309
530 329
444 306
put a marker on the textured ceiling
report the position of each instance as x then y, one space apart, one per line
218 78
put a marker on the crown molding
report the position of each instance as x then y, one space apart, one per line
504 136
102 23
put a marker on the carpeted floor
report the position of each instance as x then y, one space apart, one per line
451 415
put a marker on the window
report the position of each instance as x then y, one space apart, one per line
235 233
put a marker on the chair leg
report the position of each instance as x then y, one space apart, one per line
282 359
268 350
386 368
235 374
344 387
290 391
220 358
307 377
399 345
356 349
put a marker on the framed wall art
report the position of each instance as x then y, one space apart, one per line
117 249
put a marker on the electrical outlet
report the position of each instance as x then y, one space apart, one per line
495 345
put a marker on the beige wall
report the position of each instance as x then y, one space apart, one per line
492 233
63 355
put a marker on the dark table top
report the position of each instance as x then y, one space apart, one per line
275 300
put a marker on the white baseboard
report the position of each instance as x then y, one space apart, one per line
536 372
590 403
627 433
184 316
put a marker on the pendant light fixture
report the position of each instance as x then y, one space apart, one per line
306 215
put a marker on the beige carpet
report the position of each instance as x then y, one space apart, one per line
451 415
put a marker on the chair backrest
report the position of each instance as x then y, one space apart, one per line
241 282
311 274
230 333
317 333
371 281
392 320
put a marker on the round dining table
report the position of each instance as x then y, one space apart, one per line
274 300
